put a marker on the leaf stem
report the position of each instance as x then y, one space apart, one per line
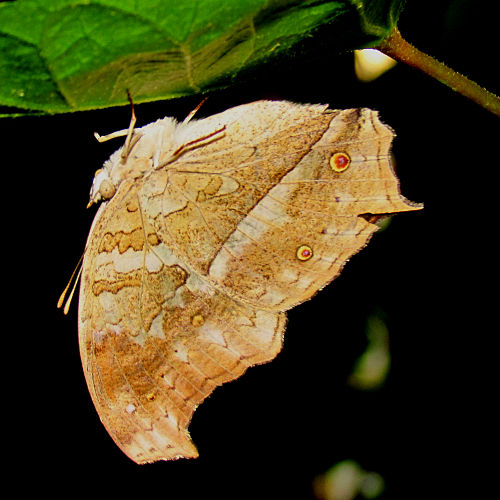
397 47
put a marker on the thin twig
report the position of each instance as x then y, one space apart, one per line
397 47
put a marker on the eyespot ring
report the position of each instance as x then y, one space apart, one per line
340 161
304 252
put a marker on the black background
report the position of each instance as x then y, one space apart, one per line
268 434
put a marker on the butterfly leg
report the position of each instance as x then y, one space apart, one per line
130 139
201 141
130 132
195 110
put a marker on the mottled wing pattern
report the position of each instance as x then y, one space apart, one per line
155 339
199 200
190 267
239 209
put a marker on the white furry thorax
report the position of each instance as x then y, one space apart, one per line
152 147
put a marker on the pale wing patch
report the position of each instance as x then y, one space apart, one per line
212 333
152 262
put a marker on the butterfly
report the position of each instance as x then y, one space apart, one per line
208 231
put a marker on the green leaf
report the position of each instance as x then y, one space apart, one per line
68 55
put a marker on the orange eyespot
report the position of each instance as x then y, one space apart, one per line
339 162
304 252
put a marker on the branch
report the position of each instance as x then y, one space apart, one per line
397 47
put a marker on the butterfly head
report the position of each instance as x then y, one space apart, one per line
102 187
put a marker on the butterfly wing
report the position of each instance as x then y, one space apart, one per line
241 209
188 268
155 338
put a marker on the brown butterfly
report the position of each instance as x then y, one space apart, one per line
208 231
